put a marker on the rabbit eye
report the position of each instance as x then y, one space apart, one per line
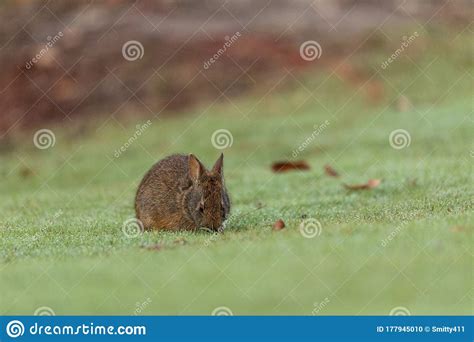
201 208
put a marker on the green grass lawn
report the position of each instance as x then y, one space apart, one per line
62 244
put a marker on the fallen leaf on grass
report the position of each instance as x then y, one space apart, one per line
279 225
285 166
371 184
330 171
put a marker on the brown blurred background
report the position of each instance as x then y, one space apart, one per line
83 72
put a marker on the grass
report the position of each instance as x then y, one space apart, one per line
62 244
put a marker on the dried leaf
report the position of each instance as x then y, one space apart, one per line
279 225
330 171
371 184
285 166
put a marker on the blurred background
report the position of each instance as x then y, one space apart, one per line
62 62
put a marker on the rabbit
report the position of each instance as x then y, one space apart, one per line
179 193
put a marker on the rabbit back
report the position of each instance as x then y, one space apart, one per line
159 202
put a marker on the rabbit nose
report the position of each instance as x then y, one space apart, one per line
216 226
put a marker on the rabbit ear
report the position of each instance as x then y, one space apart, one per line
196 169
218 166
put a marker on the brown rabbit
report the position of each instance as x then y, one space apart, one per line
178 193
